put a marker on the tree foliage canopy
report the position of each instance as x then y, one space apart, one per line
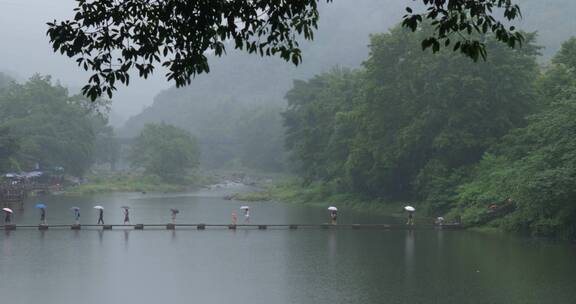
51 128
535 165
166 151
111 38
390 129
490 144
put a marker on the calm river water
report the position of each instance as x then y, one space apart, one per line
272 266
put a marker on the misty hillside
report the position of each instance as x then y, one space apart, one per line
552 19
214 106
342 39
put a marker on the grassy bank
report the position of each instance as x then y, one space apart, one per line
134 182
289 190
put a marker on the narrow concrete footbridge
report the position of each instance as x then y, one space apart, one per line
174 226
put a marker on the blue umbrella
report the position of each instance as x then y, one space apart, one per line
40 206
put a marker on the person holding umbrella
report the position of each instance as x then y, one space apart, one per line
126 212
42 208
76 211
100 214
439 221
174 212
410 211
8 217
333 214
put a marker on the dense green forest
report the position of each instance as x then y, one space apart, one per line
165 151
43 126
534 165
444 131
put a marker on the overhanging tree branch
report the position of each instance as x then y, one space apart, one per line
113 37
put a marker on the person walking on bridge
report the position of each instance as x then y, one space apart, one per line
333 215
234 218
43 216
8 217
42 209
126 212
246 210
100 214
174 212
410 210
76 211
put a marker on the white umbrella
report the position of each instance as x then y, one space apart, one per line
332 208
8 210
98 207
410 208
244 207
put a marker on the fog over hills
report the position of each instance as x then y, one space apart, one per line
341 40
246 78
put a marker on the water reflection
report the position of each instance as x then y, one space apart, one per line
273 266
440 240
409 253
332 245
126 238
7 243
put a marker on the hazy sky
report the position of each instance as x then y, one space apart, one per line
25 50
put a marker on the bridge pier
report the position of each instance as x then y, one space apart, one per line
232 227
170 226
106 227
42 227
76 227
139 226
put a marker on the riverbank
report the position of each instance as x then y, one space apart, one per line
290 190
135 182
